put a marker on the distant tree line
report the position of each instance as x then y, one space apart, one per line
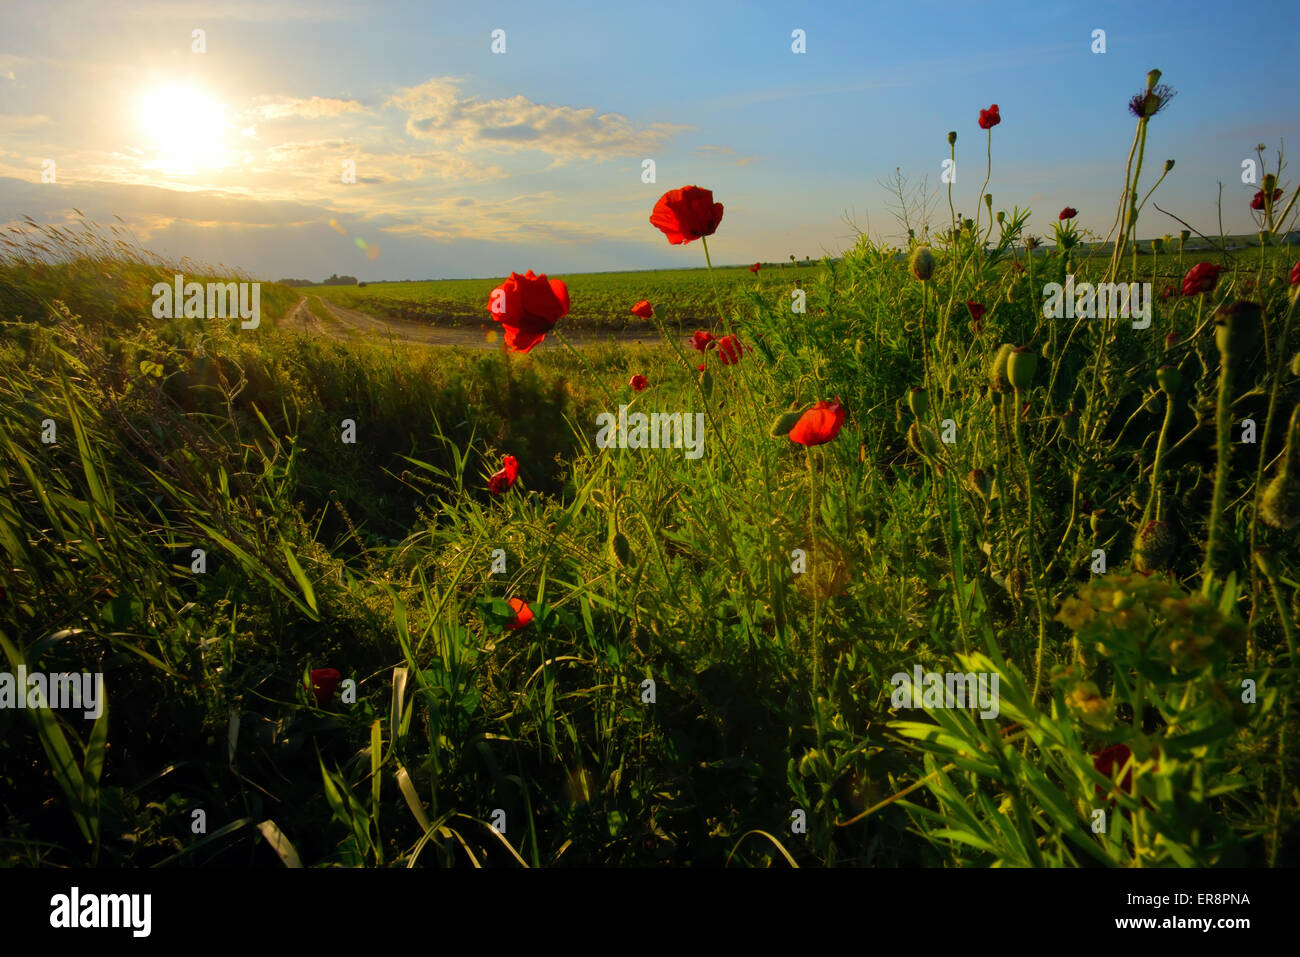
334 280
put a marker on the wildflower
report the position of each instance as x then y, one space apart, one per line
638 382
324 681
523 614
1111 759
502 480
990 118
977 311
703 341
643 309
730 350
1150 102
1295 274
686 214
1260 199
818 424
1202 277
756 267
1068 213
528 307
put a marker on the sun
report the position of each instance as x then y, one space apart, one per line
185 129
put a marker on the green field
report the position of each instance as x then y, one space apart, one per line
683 297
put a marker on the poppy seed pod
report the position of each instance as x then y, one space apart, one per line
1236 328
1279 506
1022 362
922 440
1169 379
1070 424
952 137
1157 244
1169 164
1153 546
1153 77
918 400
998 380
1184 235
988 201
922 263
1269 184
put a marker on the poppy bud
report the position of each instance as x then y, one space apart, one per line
1235 329
1279 506
783 423
1169 379
1002 216
998 380
1295 364
859 348
952 137
918 400
922 263
1070 424
706 383
1153 546
922 440
620 549
1021 365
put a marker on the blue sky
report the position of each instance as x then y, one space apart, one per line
470 163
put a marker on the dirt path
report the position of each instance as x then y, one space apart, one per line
349 325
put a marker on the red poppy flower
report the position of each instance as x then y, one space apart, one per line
324 681
686 214
528 306
1258 202
976 310
1111 759
638 382
819 424
730 350
523 614
1202 277
502 480
643 309
703 341
1068 213
700 367
755 268
1295 274
990 118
